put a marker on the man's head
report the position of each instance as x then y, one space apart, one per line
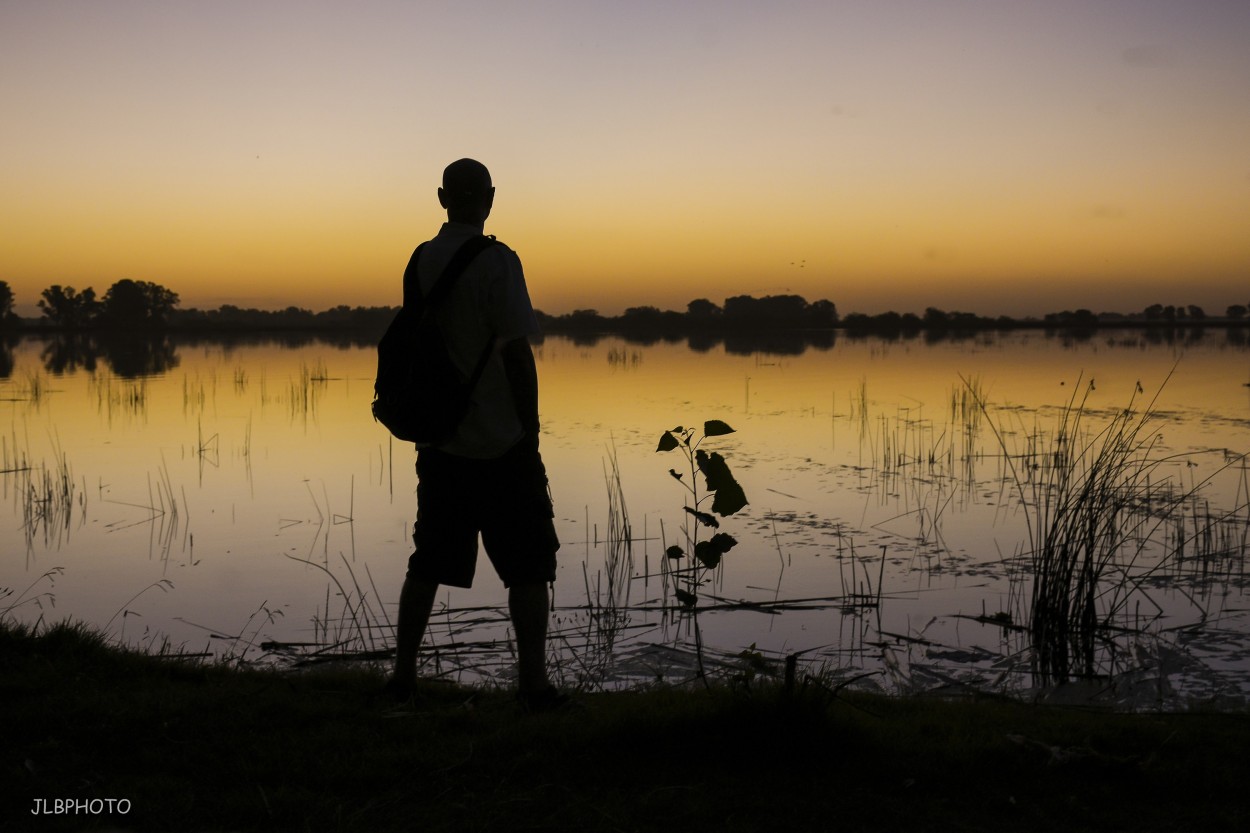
467 193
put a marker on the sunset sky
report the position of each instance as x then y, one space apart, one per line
993 156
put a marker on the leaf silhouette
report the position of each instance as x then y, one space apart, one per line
704 518
709 552
667 442
729 495
716 428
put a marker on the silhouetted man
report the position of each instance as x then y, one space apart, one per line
488 478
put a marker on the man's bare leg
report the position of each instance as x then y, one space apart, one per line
416 600
528 605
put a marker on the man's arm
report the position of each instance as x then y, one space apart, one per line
518 364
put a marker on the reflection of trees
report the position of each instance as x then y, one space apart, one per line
129 355
778 342
702 342
747 343
69 353
1173 336
644 339
132 355
7 342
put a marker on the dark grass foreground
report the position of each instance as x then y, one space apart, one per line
207 748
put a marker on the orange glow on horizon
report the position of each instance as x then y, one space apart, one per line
997 162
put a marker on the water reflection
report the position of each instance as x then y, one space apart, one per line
128 355
7 342
228 466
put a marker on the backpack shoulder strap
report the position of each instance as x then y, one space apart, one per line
460 261
412 287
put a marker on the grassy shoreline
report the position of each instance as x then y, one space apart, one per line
204 747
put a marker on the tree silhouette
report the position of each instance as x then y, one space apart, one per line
701 309
65 307
6 302
138 304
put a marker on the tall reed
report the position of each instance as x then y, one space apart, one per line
1092 506
607 607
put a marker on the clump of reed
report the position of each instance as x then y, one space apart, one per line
306 389
909 444
12 602
355 631
34 389
607 591
113 395
620 358
198 393
49 496
1096 500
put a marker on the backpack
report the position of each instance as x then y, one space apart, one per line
420 395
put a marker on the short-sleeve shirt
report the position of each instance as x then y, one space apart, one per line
488 304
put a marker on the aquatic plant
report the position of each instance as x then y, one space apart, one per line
48 498
12 603
305 391
1095 501
355 632
690 565
590 633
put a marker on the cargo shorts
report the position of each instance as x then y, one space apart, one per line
505 499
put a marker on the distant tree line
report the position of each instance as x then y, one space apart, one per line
232 318
131 306
937 320
934 319
127 305
741 312
141 306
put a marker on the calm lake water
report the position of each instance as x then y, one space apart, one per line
238 499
